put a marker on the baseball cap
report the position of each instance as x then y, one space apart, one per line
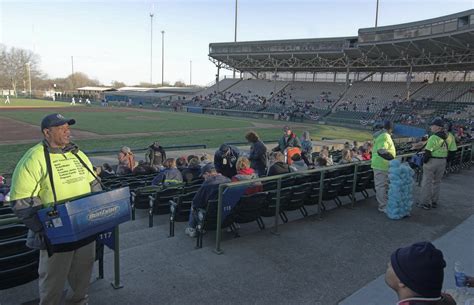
207 169
55 119
437 122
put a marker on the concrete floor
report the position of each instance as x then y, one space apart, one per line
311 262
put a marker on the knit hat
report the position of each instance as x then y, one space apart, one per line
420 267
126 150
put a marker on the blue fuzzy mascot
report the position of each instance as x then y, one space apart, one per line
400 191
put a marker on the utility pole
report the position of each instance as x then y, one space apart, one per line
72 69
28 65
190 73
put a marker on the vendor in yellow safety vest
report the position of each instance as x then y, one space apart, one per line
383 152
439 147
51 171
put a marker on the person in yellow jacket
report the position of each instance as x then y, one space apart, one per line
33 188
439 147
383 151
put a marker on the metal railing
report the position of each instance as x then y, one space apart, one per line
279 178
169 148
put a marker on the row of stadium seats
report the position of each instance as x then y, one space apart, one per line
18 263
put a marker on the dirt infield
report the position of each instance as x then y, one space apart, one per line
76 109
16 132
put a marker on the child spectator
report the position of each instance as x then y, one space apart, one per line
170 175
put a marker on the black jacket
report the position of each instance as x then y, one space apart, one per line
258 156
278 168
191 173
225 160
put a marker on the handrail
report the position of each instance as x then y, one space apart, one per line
170 148
279 178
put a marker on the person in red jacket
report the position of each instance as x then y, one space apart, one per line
245 172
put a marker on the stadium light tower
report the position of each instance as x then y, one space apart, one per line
151 43
376 14
235 30
162 58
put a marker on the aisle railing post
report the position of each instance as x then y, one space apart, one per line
218 249
116 283
277 207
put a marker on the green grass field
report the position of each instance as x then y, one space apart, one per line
170 128
19 102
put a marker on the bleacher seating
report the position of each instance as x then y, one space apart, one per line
259 87
18 264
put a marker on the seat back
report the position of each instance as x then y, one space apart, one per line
250 207
211 217
161 200
13 231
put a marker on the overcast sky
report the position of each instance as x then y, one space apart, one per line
110 40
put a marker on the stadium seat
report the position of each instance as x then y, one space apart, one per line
6 210
140 197
296 200
12 231
207 221
250 209
159 202
18 276
180 207
285 194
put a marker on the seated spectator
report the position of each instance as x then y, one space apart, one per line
208 191
258 153
325 154
416 274
356 155
346 156
126 161
106 171
298 164
170 175
279 166
181 163
321 162
245 172
193 170
306 148
364 153
191 157
205 160
155 155
144 168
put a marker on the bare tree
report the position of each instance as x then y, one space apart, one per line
14 66
117 84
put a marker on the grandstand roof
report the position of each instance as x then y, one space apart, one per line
97 89
438 44
168 90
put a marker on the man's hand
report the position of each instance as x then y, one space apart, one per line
469 281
